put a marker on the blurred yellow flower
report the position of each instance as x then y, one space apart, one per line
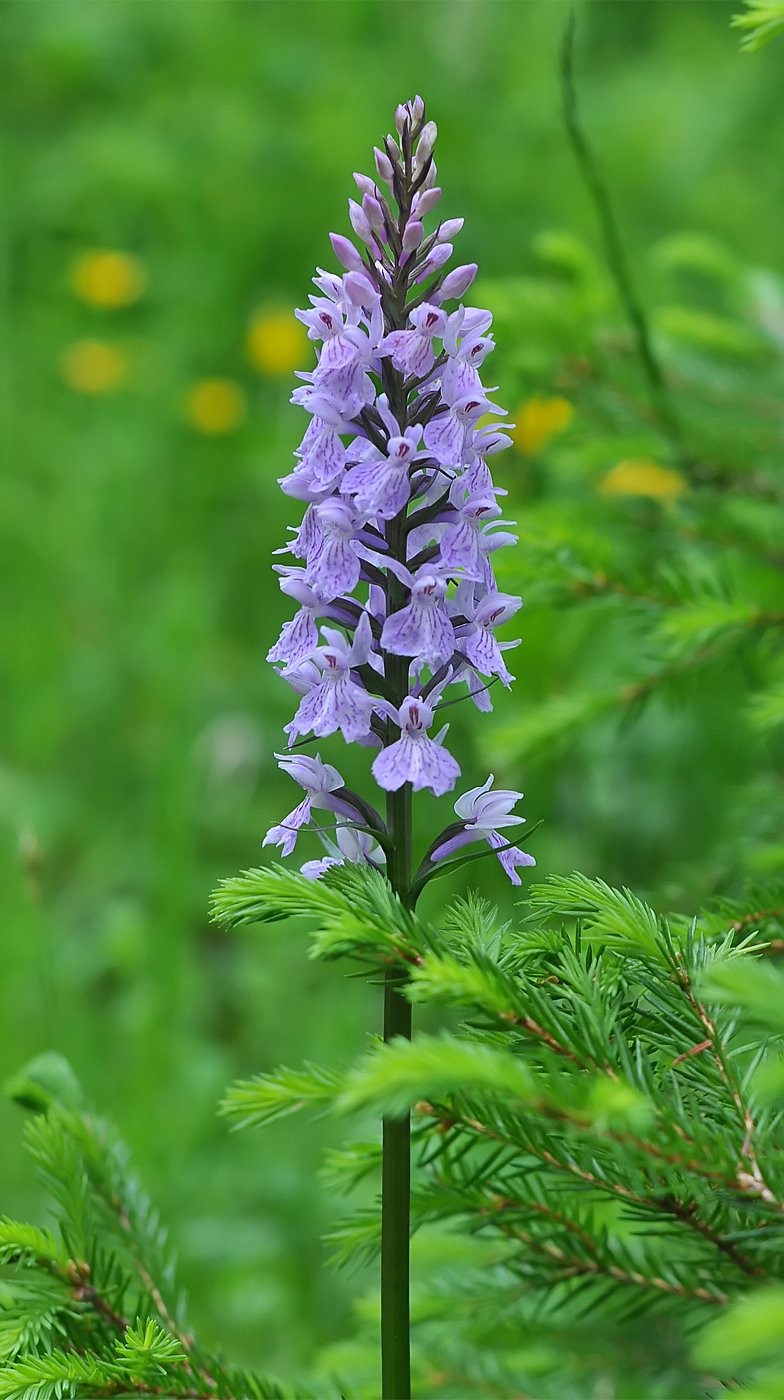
215 406
538 420
277 342
103 278
93 367
641 476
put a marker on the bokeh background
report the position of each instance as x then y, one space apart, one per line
169 174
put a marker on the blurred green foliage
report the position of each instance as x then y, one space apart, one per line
213 141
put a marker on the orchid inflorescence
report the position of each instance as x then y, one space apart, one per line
401 521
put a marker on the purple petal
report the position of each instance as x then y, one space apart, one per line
510 858
425 632
285 835
297 641
444 437
418 761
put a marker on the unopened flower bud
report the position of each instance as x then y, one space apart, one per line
384 165
359 289
373 211
359 222
458 281
413 234
364 183
426 142
430 179
435 260
345 252
393 150
425 202
401 119
440 254
417 108
449 229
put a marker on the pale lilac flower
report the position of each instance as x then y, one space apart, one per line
456 283
333 562
346 253
322 456
379 484
435 259
466 543
447 433
319 781
336 701
416 758
314 869
484 814
477 641
299 637
412 351
422 629
511 857
460 376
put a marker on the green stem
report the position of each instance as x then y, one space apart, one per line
616 256
396 1150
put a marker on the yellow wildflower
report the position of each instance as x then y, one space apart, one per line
538 420
277 342
107 279
641 476
215 406
93 367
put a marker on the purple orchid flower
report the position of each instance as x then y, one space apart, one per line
320 781
415 758
466 543
484 814
337 701
401 516
422 629
380 484
476 639
412 351
395 550
333 565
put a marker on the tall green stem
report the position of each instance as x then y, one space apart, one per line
396 1160
396 1151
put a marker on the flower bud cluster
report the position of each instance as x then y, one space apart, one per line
393 577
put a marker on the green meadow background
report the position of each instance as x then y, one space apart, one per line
213 142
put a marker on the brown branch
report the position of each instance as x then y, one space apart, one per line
597 1267
687 1214
76 1272
759 917
749 1181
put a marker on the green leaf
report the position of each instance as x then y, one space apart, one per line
709 332
765 21
28 1243
253 1102
45 1081
398 1074
147 1348
750 983
708 622
766 709
359 914
54 1375
616 918
750 1331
